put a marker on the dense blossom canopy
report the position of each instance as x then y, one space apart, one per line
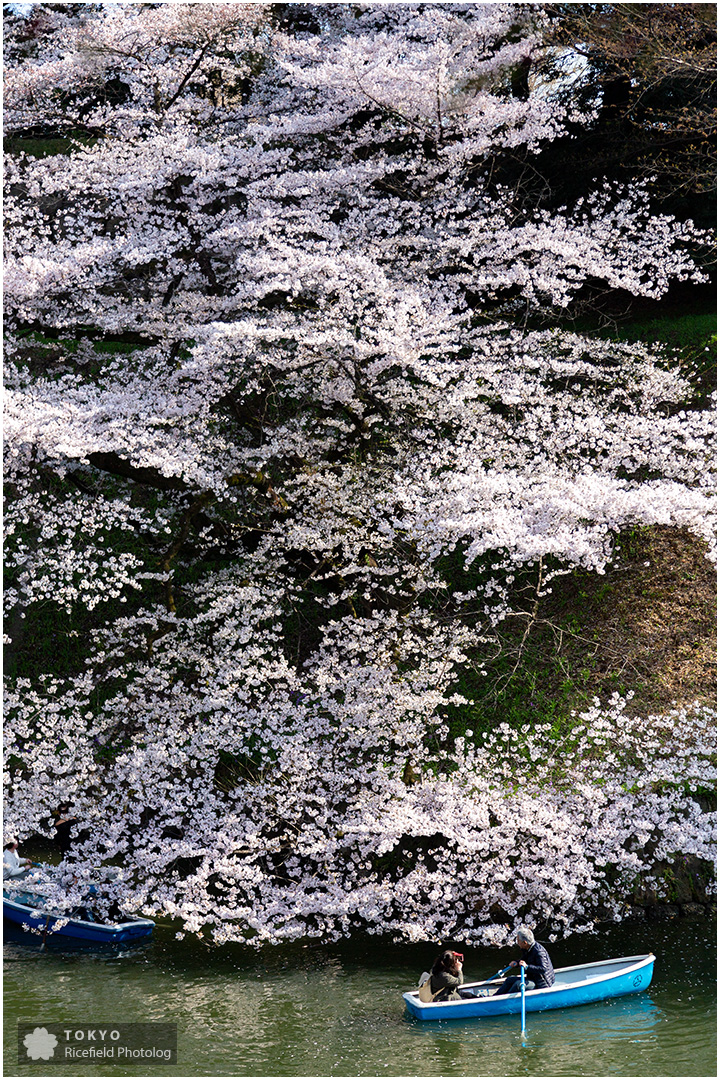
275 361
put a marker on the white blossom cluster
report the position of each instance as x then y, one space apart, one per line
325 396
68 552
254 803
158 50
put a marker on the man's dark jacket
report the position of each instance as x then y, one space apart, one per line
539 966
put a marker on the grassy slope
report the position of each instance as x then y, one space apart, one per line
647 626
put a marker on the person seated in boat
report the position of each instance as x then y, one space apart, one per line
446 976
86 910
85 913
539 971
63 823
13 865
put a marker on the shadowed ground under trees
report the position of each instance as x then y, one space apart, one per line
647 625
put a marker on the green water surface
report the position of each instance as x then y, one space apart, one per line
337 1010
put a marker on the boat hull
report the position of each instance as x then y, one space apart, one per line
580 985
76 929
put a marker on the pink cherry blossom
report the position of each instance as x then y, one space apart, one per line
250 397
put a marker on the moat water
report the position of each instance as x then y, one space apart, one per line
337 1010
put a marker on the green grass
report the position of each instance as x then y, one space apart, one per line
692 337
685 332
39 147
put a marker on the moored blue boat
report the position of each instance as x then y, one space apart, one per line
578 985
26 910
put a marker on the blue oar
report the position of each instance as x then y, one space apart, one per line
498 974
522 1000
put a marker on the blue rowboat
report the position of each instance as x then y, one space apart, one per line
578 985
26 910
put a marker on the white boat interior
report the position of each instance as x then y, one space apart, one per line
570 976
603 969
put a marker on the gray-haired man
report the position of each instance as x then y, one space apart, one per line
538 965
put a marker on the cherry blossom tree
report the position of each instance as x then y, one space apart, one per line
274 356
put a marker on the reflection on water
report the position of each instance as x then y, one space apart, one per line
602 1032
338 1010
22 947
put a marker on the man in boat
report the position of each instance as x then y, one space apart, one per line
539 971
13 865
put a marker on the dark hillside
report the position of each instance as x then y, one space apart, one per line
646 626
